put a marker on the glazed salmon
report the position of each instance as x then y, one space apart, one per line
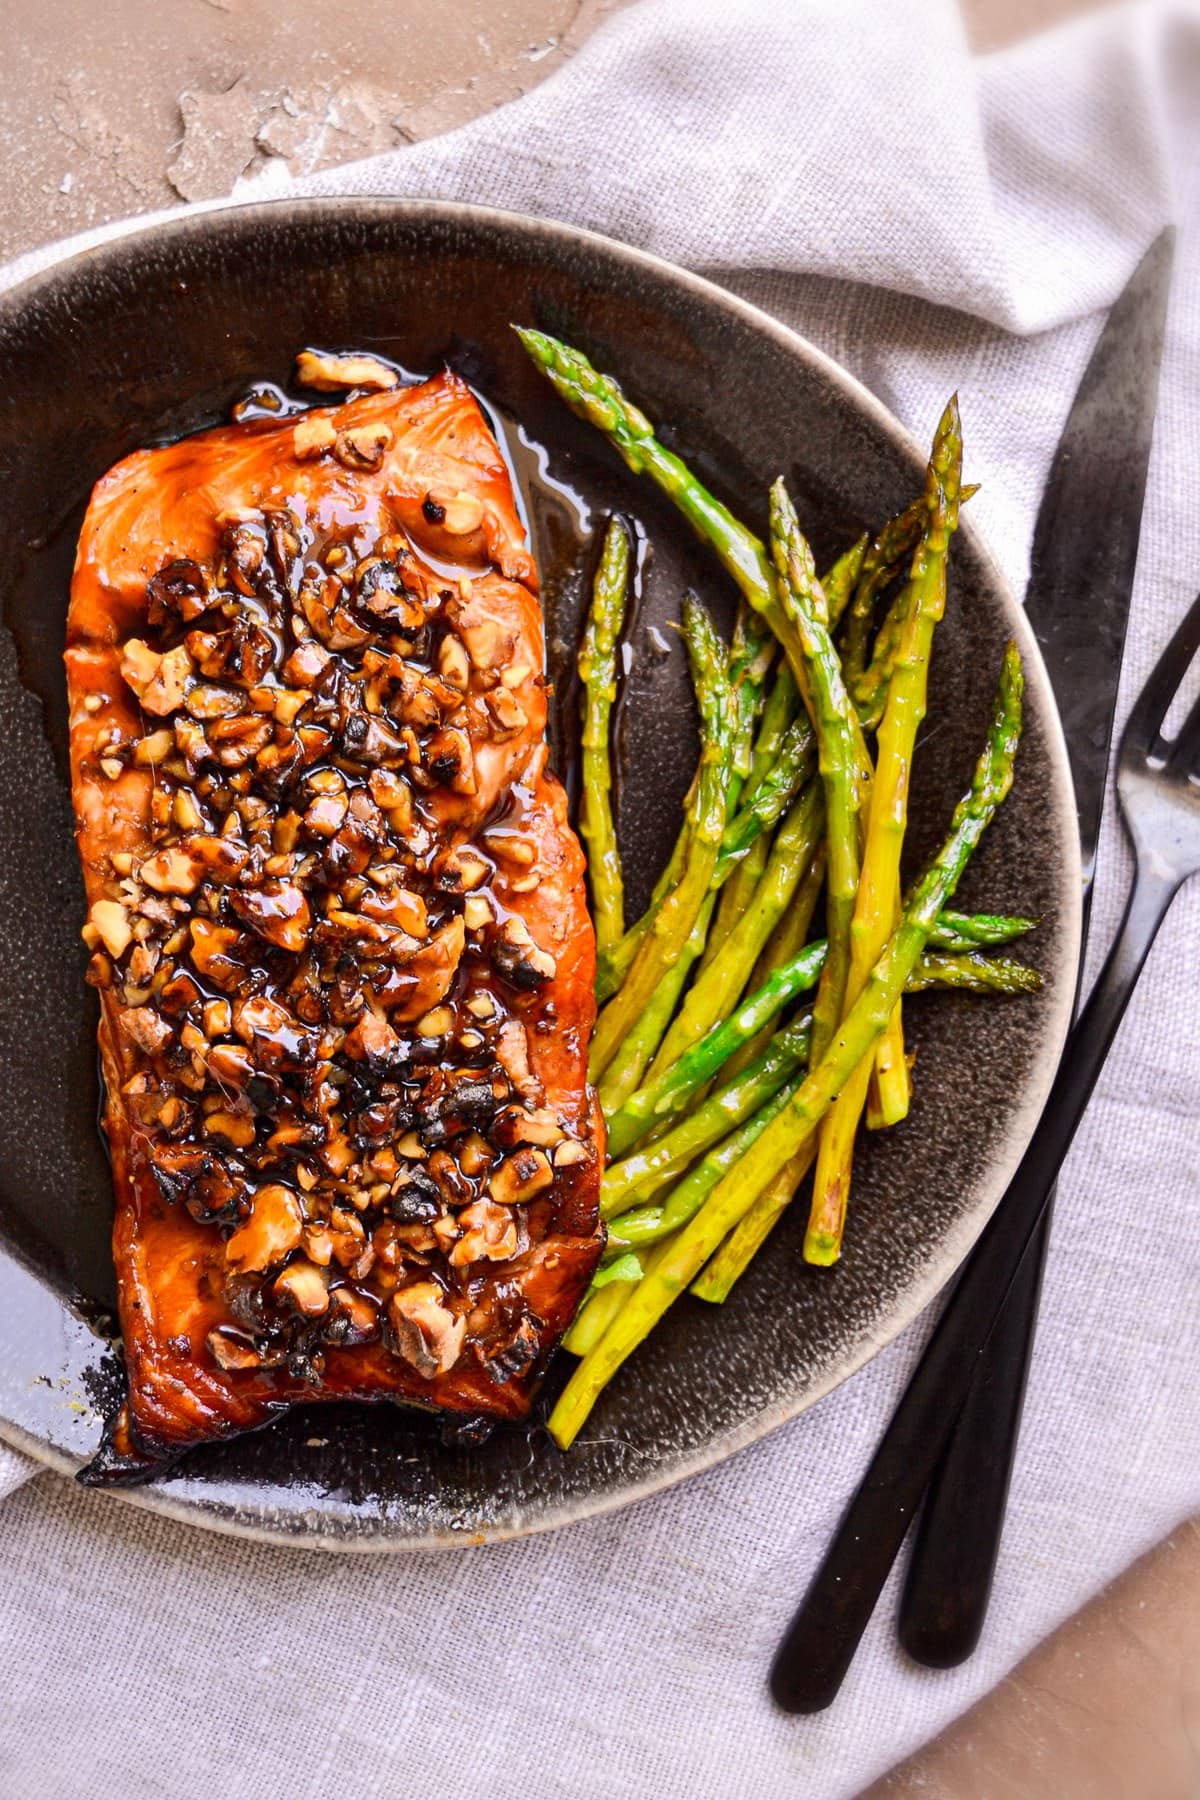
337 921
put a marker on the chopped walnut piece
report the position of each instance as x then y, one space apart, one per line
489 1232
326 814
570 1152
474 1154
460 513
154 749
371 1038
302 1287
171 871
306 666
208 701
158 681
525 1125
111 923
518 958
276 911
145 1028
512 1053
507 714
433 968
272 1231
363 446
450 759
236 1128
353 1317
489 643
521 1177
211 946
453 666
328 372
427 1333
477 912
312 436
231 1349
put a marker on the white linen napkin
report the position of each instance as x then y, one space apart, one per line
933 222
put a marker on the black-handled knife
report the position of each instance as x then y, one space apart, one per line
1080 583
819 1645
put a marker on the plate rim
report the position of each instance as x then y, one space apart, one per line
379 1535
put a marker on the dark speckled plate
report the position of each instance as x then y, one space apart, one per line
155 335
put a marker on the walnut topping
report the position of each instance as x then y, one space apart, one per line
507 715
458 514
489 1232
489 643
146 1029
518 958
427 1333
158 681
312 436
521 1176
306 947
363 446
272 1231
302 1287
329 373
232 1349
277 911
110 921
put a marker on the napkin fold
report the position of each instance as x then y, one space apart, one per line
933 221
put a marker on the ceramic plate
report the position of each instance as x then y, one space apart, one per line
157 334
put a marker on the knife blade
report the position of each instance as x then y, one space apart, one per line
1085 543
1082 566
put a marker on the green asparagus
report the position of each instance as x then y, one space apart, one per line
598 674
737 1191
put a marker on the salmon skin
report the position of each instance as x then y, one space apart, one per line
337 922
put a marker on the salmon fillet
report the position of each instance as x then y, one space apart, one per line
337 921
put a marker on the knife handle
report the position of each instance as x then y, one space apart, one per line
949 1580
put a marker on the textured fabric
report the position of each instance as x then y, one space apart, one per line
848 167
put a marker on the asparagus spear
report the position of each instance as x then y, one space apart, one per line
660 1099
748 1237
787 940
644 1171
874 905
629 1064
598 673
973 973
720 982
976 931
735 1194
897 540
839 583
645 1225
598 1309
598 399
839 751
664 943
794 766
749 663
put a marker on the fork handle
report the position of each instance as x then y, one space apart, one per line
948 1582
820 1642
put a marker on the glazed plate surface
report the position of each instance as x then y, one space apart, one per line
157 334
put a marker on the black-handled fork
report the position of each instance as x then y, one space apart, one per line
1158 785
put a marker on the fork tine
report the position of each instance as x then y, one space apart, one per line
1185 747
1145 721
